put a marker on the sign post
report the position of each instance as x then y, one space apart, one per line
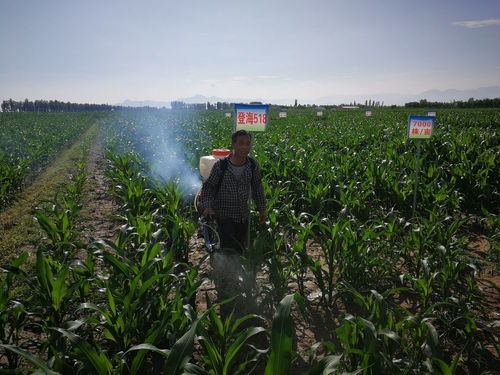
251 117
419 127
419 142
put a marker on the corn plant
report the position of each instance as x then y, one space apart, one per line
30 141
340 185
59 221
226 345
13 316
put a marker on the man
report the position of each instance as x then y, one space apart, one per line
226 192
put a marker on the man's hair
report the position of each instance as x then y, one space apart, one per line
240 133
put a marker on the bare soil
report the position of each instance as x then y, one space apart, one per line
99 207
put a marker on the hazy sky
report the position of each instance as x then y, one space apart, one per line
108 51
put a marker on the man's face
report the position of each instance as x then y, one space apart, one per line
242 146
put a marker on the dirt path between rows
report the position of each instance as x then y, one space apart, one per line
97 218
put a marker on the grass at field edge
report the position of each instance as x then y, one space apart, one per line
18 230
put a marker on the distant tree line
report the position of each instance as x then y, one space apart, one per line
179 105
53 106
471 103
368 104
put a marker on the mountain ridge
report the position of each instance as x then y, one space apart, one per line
433 95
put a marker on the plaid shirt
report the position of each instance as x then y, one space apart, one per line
231 202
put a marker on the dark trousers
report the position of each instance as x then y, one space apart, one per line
233 235
228 267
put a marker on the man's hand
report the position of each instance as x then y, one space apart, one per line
208 212
262 217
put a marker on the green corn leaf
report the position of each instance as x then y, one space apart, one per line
160 329
181 352
59 288
72 325
236 346
111 301
281 339
48 226
99 362
433 340
150 253
239 321
215 319
44 273
116 263
354 372
65 224
148 283
389 334
326 366
163 352
444 369
212 350
191 369
20 260
42 365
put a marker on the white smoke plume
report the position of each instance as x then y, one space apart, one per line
162 143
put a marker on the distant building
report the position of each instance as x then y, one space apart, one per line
177 105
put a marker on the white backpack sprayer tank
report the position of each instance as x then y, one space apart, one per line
207 162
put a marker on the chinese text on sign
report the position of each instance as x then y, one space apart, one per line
420 127
251 117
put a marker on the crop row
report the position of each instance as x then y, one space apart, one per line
400 291
126 306
30 141
339 191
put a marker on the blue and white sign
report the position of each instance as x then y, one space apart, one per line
431 113
368 112
420 127
251 117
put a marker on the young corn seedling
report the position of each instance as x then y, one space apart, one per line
227 345
13 316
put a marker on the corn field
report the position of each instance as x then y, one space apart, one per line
377 289
30 141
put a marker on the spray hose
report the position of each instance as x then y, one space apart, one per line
208 231
195 202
